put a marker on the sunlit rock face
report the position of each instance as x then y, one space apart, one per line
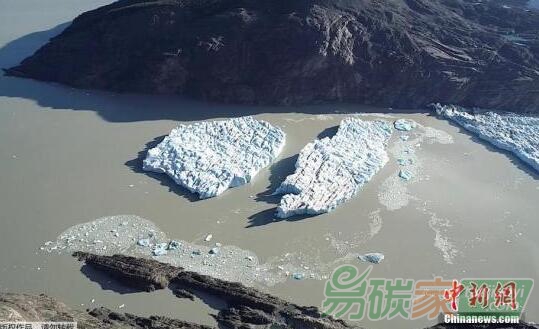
208 158
330 171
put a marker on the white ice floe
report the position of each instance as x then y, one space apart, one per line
209 157
512 132
330 171
404 125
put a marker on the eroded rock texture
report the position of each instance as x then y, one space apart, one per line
400 53
245 306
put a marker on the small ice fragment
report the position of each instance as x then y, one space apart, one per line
214 251
92 301
144 242
173 245
404 125
121 306
373 257
48 243
250 258
298 276
160 249
196 252
401 162
217 244
405 174
131 185
404 137
124 223
208 237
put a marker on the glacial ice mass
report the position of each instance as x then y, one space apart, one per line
209 157
330 171
512 132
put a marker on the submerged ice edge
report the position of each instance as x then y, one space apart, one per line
210 157
131 235
518 134
331 171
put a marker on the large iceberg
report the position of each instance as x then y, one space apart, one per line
330 171
512 132
209 157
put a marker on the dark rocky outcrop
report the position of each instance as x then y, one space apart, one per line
136 272
245 307
400 53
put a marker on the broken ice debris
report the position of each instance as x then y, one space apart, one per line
214 250
405 174
512 132
160 249
208 237
298 276
173 245
373 257
144 242
330 171
404 125
209 157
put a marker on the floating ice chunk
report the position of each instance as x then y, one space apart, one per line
404 125
404 138
208 237
373 257
330 171
209 157
160 249
173 245
144 242
512 132
298 276
405 174
214 250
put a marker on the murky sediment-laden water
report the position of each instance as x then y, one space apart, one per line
71 157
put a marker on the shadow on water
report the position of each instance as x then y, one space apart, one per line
268 216
15 51
107 282
136 166
278 172
114 107
328 132
520 164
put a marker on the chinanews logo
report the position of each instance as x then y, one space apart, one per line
354 296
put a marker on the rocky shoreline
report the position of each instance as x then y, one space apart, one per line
404 53
246 307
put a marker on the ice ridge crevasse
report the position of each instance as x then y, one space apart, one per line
209 157
330 171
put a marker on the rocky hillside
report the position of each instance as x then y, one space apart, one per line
400 53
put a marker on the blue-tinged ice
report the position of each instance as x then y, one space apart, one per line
373 257
518 134
209 157
404 125
330 171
